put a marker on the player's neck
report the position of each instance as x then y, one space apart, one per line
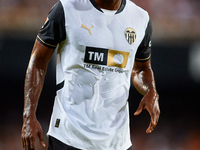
109 4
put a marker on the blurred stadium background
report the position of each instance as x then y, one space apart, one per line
175 61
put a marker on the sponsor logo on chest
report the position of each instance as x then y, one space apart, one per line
106 57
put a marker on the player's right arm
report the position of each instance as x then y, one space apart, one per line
34 81
52 33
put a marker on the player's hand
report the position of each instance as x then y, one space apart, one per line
150 103
30 131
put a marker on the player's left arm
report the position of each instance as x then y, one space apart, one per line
143 80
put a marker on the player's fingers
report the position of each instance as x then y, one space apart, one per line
41 139
150 128
27 144
139 110
154 121
23 142
32 143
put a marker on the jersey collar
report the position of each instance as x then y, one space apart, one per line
123 4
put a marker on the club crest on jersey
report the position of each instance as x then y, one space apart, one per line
130 35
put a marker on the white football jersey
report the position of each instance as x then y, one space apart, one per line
96 53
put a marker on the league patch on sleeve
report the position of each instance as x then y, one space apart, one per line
45 22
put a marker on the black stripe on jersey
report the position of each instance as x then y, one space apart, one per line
95 5
144 50
44 43
123 4
53 31
60 85
118 11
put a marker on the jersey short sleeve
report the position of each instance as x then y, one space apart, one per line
144 50
53 31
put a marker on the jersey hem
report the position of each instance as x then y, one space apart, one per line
61 140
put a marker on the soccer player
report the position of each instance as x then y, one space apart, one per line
101 43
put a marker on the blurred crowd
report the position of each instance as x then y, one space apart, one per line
181 9
174 19
180 18
23 15
177 8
